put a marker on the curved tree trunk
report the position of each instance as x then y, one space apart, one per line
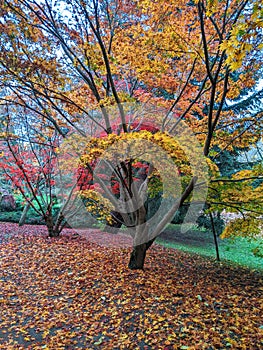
139 251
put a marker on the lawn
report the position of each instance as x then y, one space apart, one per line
198 241
73 293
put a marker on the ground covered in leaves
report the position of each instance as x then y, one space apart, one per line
71 293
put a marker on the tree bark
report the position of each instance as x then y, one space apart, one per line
52 232
24 213
215 238
138 255
50 226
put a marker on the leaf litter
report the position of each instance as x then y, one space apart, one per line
70 293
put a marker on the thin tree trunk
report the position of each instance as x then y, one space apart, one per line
215 237
24 213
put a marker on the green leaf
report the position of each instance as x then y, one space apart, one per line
199 297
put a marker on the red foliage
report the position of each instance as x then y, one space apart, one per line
134 126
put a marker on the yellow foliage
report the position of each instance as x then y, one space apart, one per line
212 167
243 173
97 146
239 44
97 204
247 227
211 7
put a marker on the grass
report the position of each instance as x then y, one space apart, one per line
201 242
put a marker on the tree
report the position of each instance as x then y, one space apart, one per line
29 161
185 57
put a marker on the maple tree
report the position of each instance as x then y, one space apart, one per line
28 160
70 62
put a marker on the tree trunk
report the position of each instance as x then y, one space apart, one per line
138 255
139 251
215 238
25 211
52 231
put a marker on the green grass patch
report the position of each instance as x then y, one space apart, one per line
238 251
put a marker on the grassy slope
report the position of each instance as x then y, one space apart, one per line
237 251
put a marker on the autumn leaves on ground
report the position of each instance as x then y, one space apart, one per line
70 293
